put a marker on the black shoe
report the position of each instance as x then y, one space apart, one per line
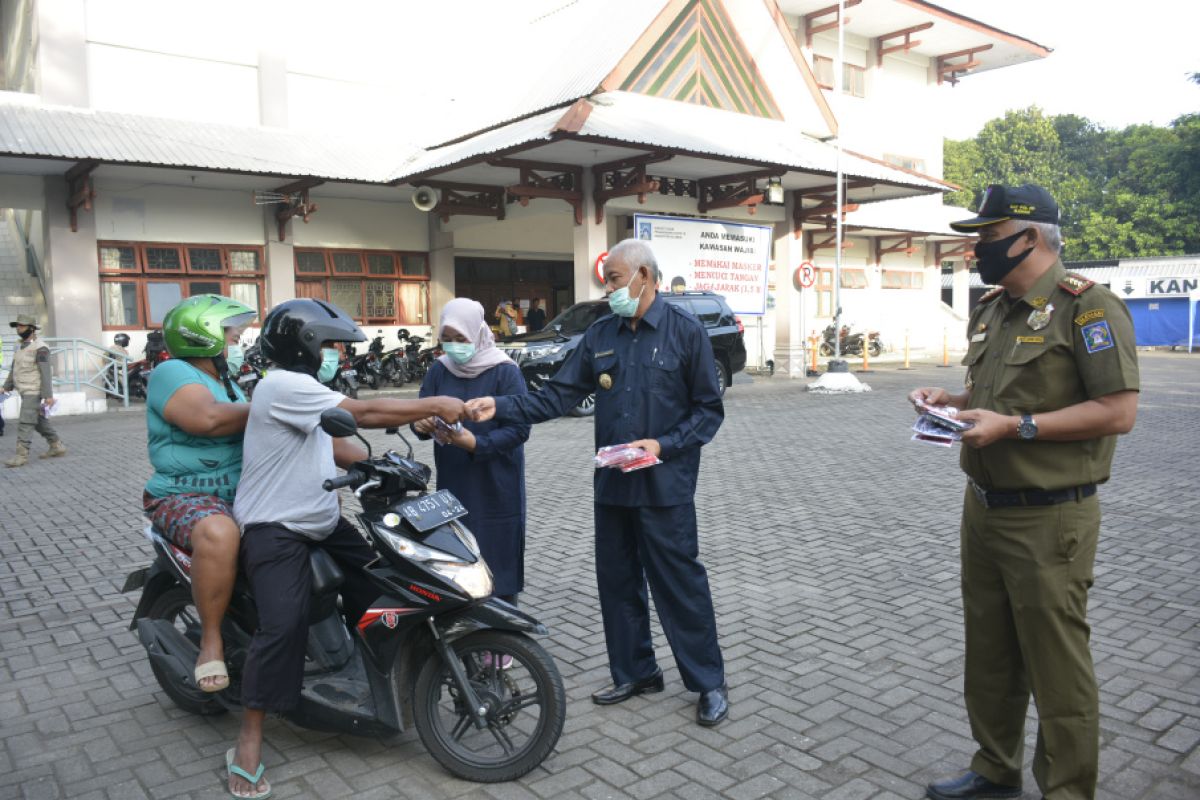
619 694
713 706
968 786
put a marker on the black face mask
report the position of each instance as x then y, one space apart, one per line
25 334
994 260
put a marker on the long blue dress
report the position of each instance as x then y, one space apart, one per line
490 482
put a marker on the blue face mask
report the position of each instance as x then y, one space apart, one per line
234 357
622 304
329 364
461 352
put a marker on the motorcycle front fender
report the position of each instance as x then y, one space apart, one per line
492 614
153 581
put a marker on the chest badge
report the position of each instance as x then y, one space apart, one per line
1040 317
605 381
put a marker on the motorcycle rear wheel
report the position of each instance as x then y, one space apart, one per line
176 606
515 741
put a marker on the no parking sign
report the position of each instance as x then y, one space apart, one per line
600 259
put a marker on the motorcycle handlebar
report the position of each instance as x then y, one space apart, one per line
351 478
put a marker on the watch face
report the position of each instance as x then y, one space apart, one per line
1027 429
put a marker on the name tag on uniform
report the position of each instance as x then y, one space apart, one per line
1031 340
979 337
605 353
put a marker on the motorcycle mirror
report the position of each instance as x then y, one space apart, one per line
407 443
338 422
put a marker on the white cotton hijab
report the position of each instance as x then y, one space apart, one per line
466 317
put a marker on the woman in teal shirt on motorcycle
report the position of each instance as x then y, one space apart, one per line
195 417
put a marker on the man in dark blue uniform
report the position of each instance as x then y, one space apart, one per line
651 367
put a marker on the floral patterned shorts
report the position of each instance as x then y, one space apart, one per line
177 514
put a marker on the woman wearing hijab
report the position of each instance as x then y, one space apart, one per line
483 465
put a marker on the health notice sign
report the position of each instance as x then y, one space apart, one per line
729 258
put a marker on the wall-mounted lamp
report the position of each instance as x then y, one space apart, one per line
774 192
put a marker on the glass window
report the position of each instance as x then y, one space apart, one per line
161 298
119 304
204 287
243 261
903 279
347 295
163 259
854 279
708 311
381 299
310 262
414 266
381 264
244 293
414 302
204 259
347 263
853 77
118 259
824 292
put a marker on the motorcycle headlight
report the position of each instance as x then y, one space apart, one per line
474 579
410 549
543 351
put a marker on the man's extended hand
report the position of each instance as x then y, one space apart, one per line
989 427
481 409
651 446
451 409
424 426
930 396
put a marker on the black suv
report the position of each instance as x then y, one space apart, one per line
539 355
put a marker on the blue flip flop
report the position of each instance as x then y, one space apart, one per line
232 769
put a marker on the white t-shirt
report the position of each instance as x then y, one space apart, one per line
286 456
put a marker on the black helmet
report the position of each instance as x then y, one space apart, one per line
121 339
293 332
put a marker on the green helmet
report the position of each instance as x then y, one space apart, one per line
196 327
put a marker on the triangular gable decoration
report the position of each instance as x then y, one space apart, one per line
700 59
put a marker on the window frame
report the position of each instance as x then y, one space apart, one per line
398 276
824 290
859 74
854 278
143 276
890 278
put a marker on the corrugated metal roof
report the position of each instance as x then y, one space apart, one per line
1155 267
653 122
81 134
909 214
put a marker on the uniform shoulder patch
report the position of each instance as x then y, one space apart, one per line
991 294
1076 284
1089 316
1097 336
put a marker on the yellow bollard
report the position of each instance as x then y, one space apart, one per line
866 345
812 346
945 348
906 364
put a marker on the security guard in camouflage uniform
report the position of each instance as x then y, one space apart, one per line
30 376
1052 379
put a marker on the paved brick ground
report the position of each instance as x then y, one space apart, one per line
831 542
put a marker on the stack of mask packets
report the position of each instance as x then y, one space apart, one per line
625 457
939 425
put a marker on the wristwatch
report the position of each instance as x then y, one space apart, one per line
1027 428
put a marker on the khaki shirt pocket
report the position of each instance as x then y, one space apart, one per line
1037 377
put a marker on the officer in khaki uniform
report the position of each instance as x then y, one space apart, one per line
1052 379
30 376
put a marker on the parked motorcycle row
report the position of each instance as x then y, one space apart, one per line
851 343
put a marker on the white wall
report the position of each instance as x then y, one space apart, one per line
364 224
137 212
540 228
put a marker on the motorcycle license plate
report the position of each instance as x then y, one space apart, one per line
351 372
428 512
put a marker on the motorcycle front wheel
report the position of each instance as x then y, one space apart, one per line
875 347
518 683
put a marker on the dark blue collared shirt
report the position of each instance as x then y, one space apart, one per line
661 384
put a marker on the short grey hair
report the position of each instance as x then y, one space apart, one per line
637 253
1051 233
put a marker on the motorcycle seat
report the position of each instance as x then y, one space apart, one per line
327 576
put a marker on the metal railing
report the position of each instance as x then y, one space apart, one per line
81 363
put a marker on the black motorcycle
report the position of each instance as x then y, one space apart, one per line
138 372
345 380
393 367
253 369
366 366
418 360
435 650
851 343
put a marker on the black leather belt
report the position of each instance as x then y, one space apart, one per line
1031 497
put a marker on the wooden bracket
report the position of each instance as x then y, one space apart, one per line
297 206
80 191
903 47
472 199
829 242
902 244
960 248
811 25
729 191
949 70
546 179
624 178
823 212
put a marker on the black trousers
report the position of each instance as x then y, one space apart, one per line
656 544
276 562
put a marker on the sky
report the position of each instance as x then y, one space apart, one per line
1115 63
